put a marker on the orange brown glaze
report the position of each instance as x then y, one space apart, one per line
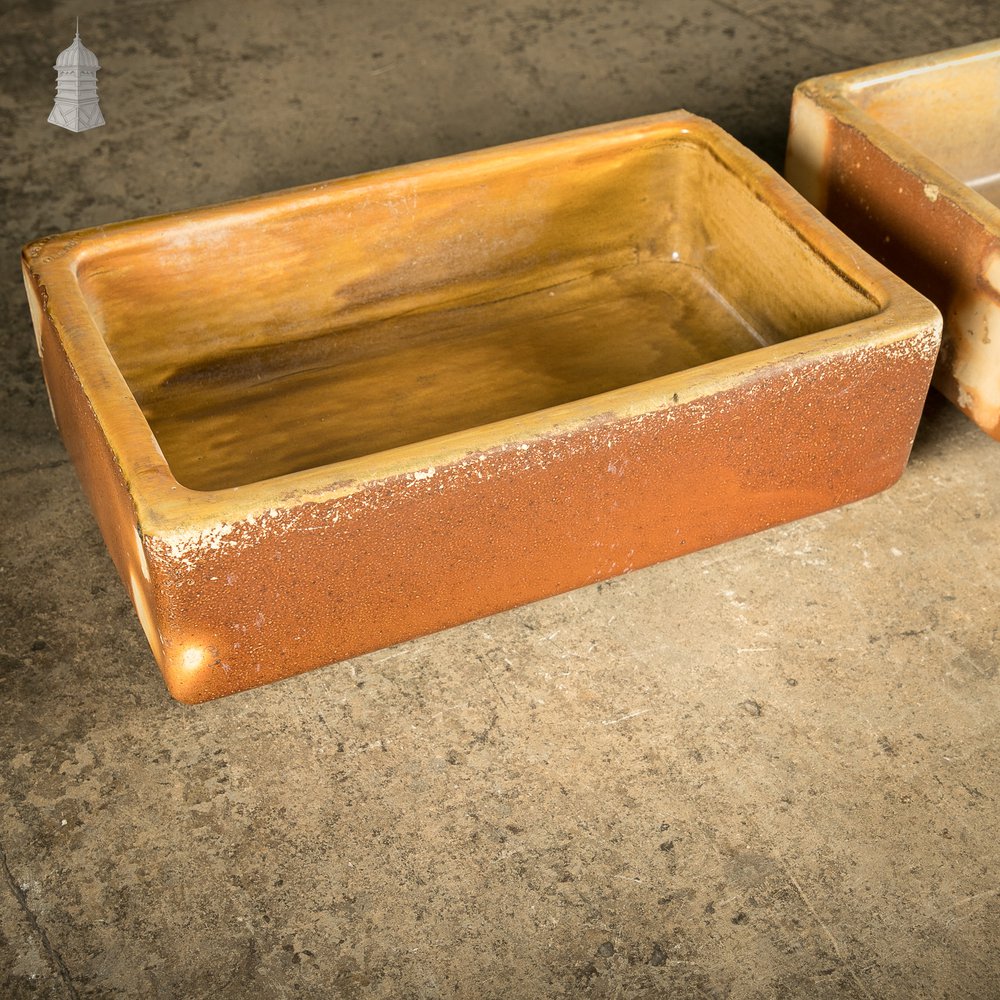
758 368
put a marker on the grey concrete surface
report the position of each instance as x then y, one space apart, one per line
764 770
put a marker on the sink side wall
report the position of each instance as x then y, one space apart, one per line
781 283
99 472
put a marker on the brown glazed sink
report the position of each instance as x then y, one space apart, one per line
323 421
905 158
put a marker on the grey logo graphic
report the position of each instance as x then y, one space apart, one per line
76 106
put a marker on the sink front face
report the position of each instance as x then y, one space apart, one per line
905 158
400 311
324 421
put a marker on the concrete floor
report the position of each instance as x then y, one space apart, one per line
765 770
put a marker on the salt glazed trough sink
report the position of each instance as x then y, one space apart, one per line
320 422
905 158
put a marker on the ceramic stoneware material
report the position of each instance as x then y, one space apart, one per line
324 421
905 158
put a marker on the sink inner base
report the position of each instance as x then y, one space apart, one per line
413 377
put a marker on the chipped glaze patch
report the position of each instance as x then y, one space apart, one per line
974 361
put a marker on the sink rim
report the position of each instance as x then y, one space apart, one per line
164 505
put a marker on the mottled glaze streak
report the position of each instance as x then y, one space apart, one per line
905 157
619 388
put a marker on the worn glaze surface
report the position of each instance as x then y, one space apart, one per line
905 158
324 421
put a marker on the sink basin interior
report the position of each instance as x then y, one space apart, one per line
947 110
283 334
